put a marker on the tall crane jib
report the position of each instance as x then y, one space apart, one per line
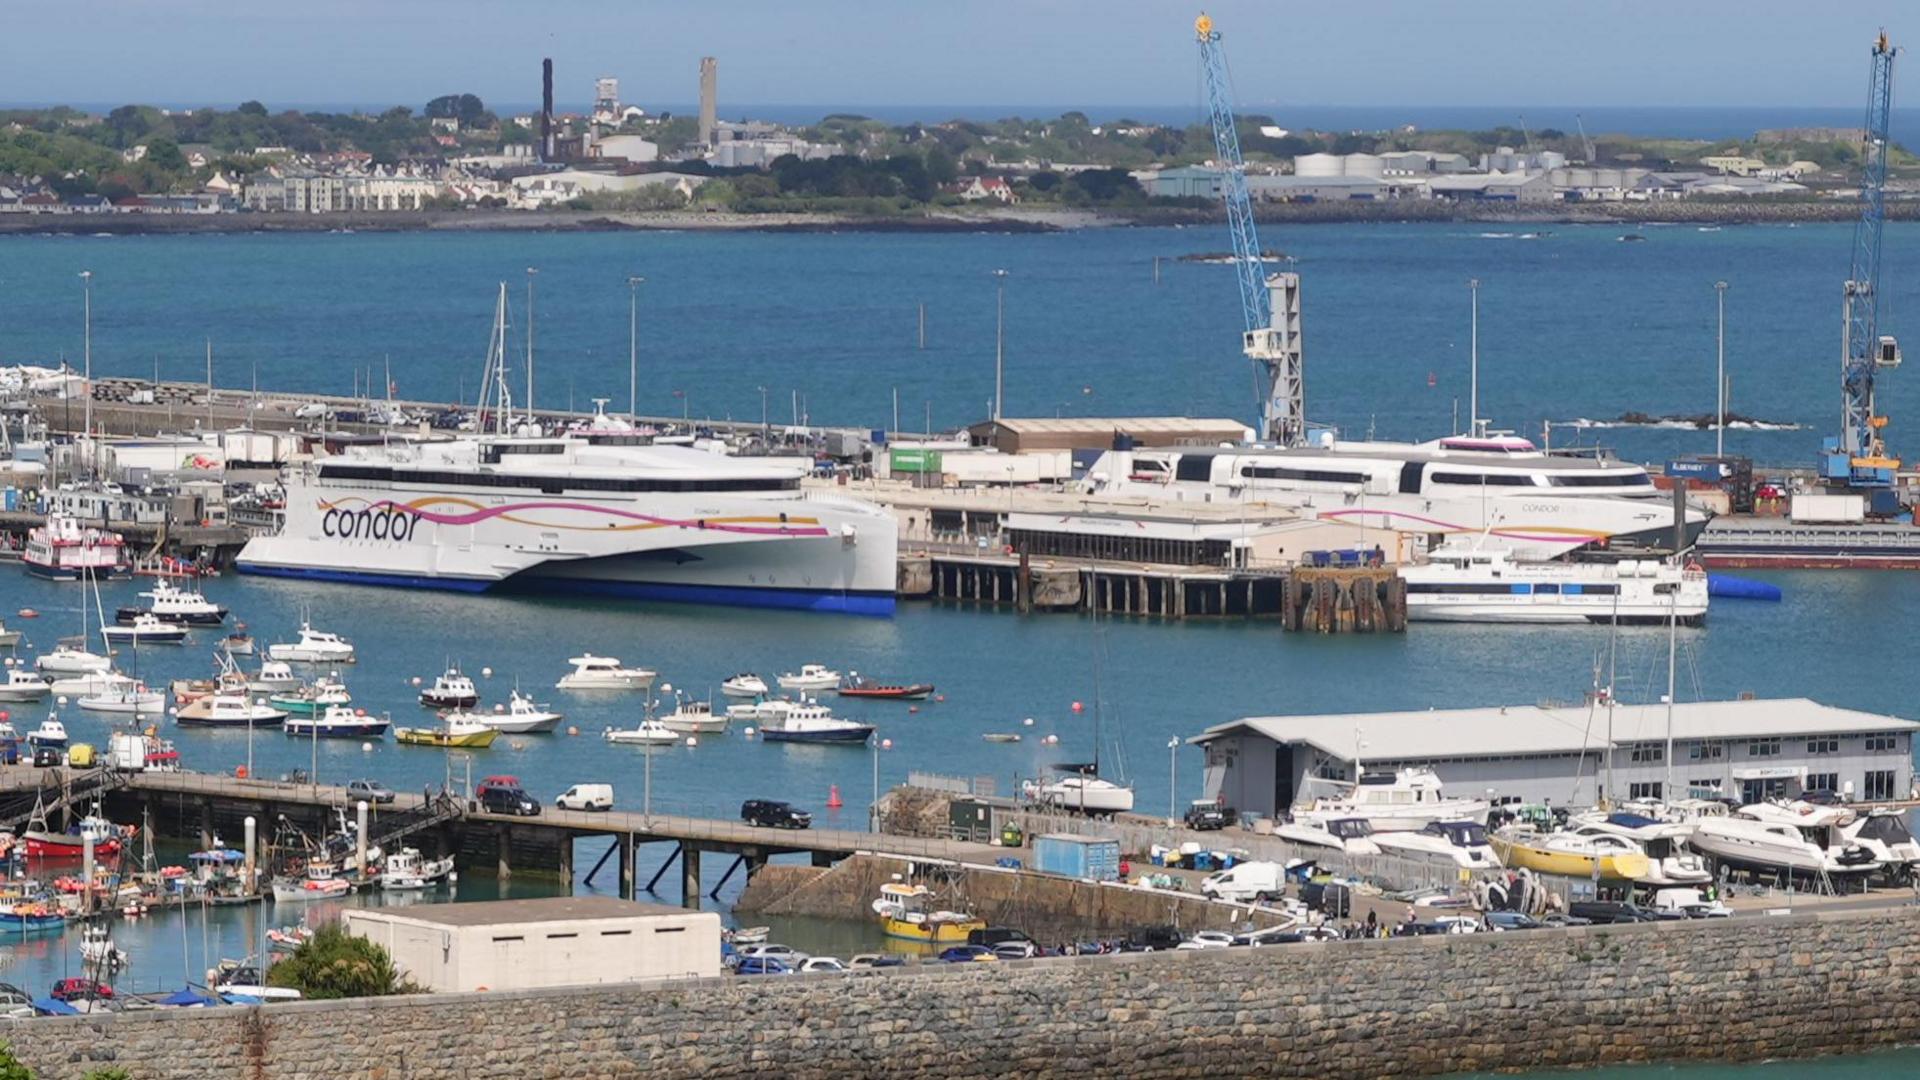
1269 303
1858 456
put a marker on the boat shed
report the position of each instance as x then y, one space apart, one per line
1025 436
529 944
1747 749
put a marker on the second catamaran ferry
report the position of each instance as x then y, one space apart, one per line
594 513
1499 490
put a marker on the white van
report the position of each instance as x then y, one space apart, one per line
1247 881
586 797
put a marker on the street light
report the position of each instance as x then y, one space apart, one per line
1720 369
531 271
86 323
873 808
999 336
1173 779
633 347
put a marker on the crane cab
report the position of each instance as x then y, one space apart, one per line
1887 354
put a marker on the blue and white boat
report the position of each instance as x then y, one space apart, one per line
337 722
50 735
809 723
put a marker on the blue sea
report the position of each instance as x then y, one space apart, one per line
1574 324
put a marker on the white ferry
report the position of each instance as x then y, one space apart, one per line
1458 585
63 549
1502 489
600 513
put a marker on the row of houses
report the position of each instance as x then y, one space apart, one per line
1534 185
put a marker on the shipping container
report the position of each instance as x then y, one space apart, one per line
1828 509
970 820
914 461
1090 857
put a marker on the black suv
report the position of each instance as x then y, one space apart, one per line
774 814
499 799
1208 815
997 935
1612 911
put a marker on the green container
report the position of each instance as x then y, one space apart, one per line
914 461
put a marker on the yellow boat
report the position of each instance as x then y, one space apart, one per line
1570 855
904 914
454 735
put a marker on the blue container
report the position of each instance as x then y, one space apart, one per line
1077 856
1711 471
1735 588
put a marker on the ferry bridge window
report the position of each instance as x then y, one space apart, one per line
1764 748
1633 479
1194 467
1489 479
1879 786
1823 746
1319 476
1648 790
1822 781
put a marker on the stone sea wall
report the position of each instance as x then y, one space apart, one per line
1742 989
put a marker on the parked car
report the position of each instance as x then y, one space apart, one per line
877 960
1512 920
81 990
966 954
1606 912
46 757
761 965
15 1004
774 814
1559 919
1691 903
597 797
822 963
786 954
372 791
1208 814
1209 939
991 936
1152 939
504 795
1015 950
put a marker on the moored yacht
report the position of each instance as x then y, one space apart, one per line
451 689
1400 800
1461 584
23 685
1461 843
313 647
337 722
70 657
521 716
811 723
176 605
228 710
592 672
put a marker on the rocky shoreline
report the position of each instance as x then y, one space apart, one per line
1000 220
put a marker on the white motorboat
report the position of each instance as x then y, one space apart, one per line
1461 843
691 717
304 890
69 658
1664 843
132 697
8 638
763 711
744 685
91 683
97 949
810 677
1884 832
810 723
176 605
24 685
274 677
1081 794
451 689
1351 835
237 644
407 870
1781 848
313 647
592 672
1458 584
337 722
520 716
1408 799
228 710
649 732
50 735
145 630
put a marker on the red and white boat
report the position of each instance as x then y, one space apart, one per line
44 844
857 687
65 550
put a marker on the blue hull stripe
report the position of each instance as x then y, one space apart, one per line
829 600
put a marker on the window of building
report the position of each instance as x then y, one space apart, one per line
1882 744
1879 785
1823 746
1645 752
1648 790
1764 748
1823 781
1706 751
1704 789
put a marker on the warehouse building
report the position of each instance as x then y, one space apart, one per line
1746 749
530 944
1026 436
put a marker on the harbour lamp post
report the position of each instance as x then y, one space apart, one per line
999 336
633 348
763 411
531 271
1720 371
1173 779
873 808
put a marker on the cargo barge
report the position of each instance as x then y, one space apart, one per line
1779 543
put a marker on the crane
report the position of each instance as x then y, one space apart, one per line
1858 457
1585 143
1269 303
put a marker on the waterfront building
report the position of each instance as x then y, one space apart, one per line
531 944
1748 749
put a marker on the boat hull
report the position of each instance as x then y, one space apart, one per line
508 724
309 730
943 933
888 693
478 740
126 615
854 736
25 693
1622 866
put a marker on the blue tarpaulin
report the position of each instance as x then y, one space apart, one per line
53 1007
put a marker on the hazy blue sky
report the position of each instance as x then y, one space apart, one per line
984 52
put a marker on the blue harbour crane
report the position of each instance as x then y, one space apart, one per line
1269 303
1857 457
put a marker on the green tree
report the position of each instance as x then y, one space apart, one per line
466 108
251 108
10 1067
336 964
164 154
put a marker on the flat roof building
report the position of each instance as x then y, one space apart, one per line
1747 749
1025 436
529 944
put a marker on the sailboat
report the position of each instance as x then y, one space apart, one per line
72 657
1080 787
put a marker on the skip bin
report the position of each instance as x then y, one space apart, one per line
1078 856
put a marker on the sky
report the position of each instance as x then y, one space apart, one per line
972 52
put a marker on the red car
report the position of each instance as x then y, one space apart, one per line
81 990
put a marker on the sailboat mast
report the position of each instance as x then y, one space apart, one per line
1613 641
1673 647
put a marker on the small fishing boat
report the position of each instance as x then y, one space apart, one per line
176 605
10 638
325 692
814 724
313 647
907 912
521 716
407 870
744 685
649 732
450 690
91 683
21 919
273 678
749 935
287 890
24 685
237 644
1001 736
98 950
453 733
50 735
857 687
810 677
71 658
337 722
131 696
228 710
145 629
43 843
592 672
288 938
691 717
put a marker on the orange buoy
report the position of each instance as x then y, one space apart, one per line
240 772
833 797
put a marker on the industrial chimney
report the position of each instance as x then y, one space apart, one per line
709 74
546 110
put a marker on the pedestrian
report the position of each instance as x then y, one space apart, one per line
1373 922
